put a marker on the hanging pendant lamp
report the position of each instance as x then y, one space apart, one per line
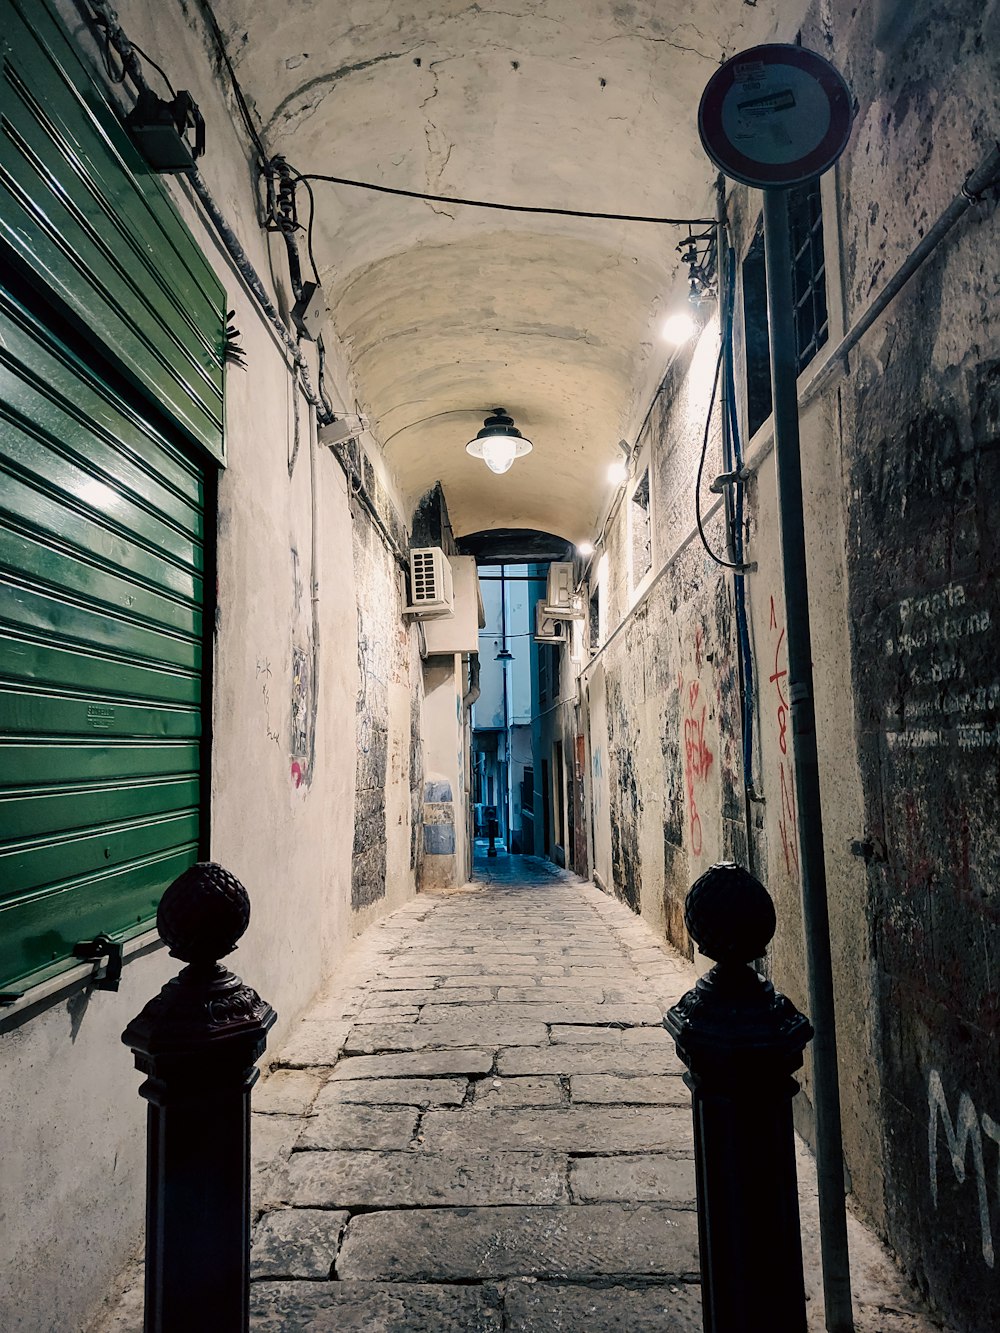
499 442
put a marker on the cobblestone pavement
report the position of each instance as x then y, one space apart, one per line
483 1127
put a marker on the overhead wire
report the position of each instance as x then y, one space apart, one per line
502 207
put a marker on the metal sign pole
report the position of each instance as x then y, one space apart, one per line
788 463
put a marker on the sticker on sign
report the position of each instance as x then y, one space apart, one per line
775 116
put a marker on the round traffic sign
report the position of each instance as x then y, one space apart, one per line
775 116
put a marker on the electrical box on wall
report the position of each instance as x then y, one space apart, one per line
432 590
547 628
459 632
561 599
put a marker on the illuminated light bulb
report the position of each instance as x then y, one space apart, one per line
499 452
678 328
585 549
499 442
618 473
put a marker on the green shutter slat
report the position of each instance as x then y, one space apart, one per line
91 222
60 859
33 814
38 935
43 613
42 714
48 567
30 763
24 507
101 645
26 662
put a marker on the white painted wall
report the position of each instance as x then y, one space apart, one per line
73 1152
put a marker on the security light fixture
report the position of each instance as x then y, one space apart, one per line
618 473
160 130
499 442
679 327
585 549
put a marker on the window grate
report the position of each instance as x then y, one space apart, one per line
812 325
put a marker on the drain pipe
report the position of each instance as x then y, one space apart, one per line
472 693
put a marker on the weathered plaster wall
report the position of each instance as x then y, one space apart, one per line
900 498
285 724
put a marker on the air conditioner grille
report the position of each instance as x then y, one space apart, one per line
425 587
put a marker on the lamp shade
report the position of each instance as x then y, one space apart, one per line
499 442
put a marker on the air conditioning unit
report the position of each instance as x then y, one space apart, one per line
431 590
547 628
561 600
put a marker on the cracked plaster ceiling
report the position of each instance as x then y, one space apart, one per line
445 312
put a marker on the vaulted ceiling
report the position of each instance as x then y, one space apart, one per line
445 312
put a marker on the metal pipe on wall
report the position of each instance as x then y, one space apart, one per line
815 913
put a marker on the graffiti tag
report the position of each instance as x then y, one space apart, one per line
787 816
962 1135
697 761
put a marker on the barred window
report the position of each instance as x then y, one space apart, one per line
812 325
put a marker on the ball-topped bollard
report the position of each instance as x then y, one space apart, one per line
203 913
729 914
741 1042
198 1042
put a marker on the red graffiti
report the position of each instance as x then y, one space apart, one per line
787 814
697 761
296 772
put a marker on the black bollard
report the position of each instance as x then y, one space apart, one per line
198 1042
494 828
741 1042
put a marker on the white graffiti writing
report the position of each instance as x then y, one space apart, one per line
962 1136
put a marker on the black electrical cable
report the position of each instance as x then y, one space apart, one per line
153 65
234 82
725 564
505 208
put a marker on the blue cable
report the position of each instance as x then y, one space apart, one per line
735 463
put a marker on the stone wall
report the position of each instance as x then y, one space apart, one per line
900 493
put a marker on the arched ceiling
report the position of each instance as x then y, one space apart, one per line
446 312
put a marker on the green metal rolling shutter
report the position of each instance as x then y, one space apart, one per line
88 222
101 597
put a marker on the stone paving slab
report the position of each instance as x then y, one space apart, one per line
359 1128
389 1013
591 1035
313 1043
464 1244
501 1092
544 1307
586 1058
365 1307
645 1178
492 979
416 1064
296 1242
583 1129
579 1011
618 1090
287 1092
402 1091
418 1179
445 1033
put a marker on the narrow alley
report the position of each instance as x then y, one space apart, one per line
484 1126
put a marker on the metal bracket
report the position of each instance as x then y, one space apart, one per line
869 850
93 951
725 479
